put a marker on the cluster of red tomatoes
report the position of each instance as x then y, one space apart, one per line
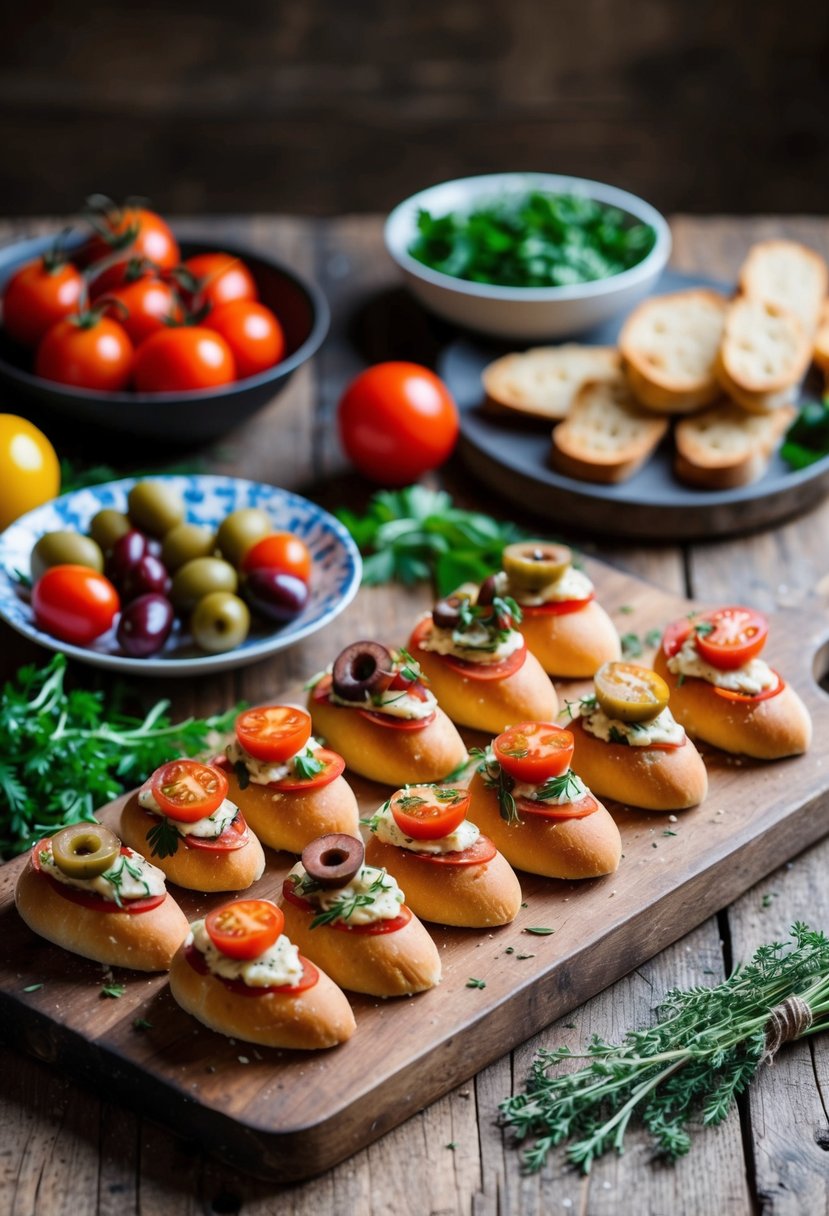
126 311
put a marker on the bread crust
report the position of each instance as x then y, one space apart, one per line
658 363
195 869
666 401
607 435
651 778
543 382
491 705
554 848
728 446
572 645
291 819
469 897
316 1018
754 402
142 941
381 753
768 730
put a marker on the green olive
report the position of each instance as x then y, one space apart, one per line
220 622
533 564
198 578
185 542
65 549
155 507
630 693
107 527
85 850
241 529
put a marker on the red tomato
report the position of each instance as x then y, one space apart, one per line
252 332
74 603
332 767
273 733
38 296
427 812
280 551
478 854
135 232
221 278
149 302
86 351
187 790
473 671
183 358
397 421
245 929
557 607
675 636
534 751
579 809
729 637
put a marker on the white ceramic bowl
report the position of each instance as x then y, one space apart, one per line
523 312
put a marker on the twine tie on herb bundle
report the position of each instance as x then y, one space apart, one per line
787 1021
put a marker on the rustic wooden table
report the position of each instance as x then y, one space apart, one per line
65 1149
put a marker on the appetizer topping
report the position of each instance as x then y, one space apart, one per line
534 751
371 895
446 613
188 791
562 789
479 631
427 812
721 647
555 791
277 966
754 677
363 671
533 565
303 765
333 860
245 929
662 729
405 696
728 638
573 586
85 850
209 826
273 733
130 877
629 693
388 828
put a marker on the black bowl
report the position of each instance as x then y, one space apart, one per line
179 417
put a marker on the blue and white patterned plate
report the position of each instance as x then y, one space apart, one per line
335 579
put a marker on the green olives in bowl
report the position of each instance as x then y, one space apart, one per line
65 549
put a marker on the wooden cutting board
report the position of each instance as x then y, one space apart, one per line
289 1115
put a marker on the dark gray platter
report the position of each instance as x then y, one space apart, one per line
513 459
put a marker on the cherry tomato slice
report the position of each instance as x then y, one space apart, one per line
579 809
675 637
751 698
557 607
245 929
629 692
472 670
728 638
333 767
534 751
478 854
235 836
280 551
273 732
187 790
428 812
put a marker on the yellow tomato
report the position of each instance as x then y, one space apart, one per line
29 468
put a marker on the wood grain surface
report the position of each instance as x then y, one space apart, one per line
76 1148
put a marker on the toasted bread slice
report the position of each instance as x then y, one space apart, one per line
789 275
668 346
765 351
725 446
606 436
543 382
755 403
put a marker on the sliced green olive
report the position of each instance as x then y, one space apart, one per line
533 564
220 622
198 578
155 507
85 850
241 529
65 549
185 542
107 527
630 693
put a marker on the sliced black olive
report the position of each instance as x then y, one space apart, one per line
363 670
447 612
333 860
488 590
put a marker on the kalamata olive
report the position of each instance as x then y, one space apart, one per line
241 529
147 575
85 850
333 860
145 625
361 671
220 622
198 577
488 590
184 542
155 507
447 612
65 549
107 526
127 552
277 596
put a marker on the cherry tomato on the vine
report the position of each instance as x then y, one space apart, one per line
397 421
135 232
149 304
29 468
38 296
86 350
280 551
74 603
221 277
252 332
182 358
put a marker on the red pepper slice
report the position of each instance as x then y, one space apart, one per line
465 667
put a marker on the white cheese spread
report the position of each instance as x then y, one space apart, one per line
571 585
395 702
129 877
753 677
385 829
266 772
662 729
209 828
371 895
279 966
468 644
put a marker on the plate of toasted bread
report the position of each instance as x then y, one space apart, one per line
667 423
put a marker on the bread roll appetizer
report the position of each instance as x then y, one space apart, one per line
85 891
722 692
569 633
183 818
628 746
351 919
289 787
451 873
240 975
477 663
375 710
536 811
